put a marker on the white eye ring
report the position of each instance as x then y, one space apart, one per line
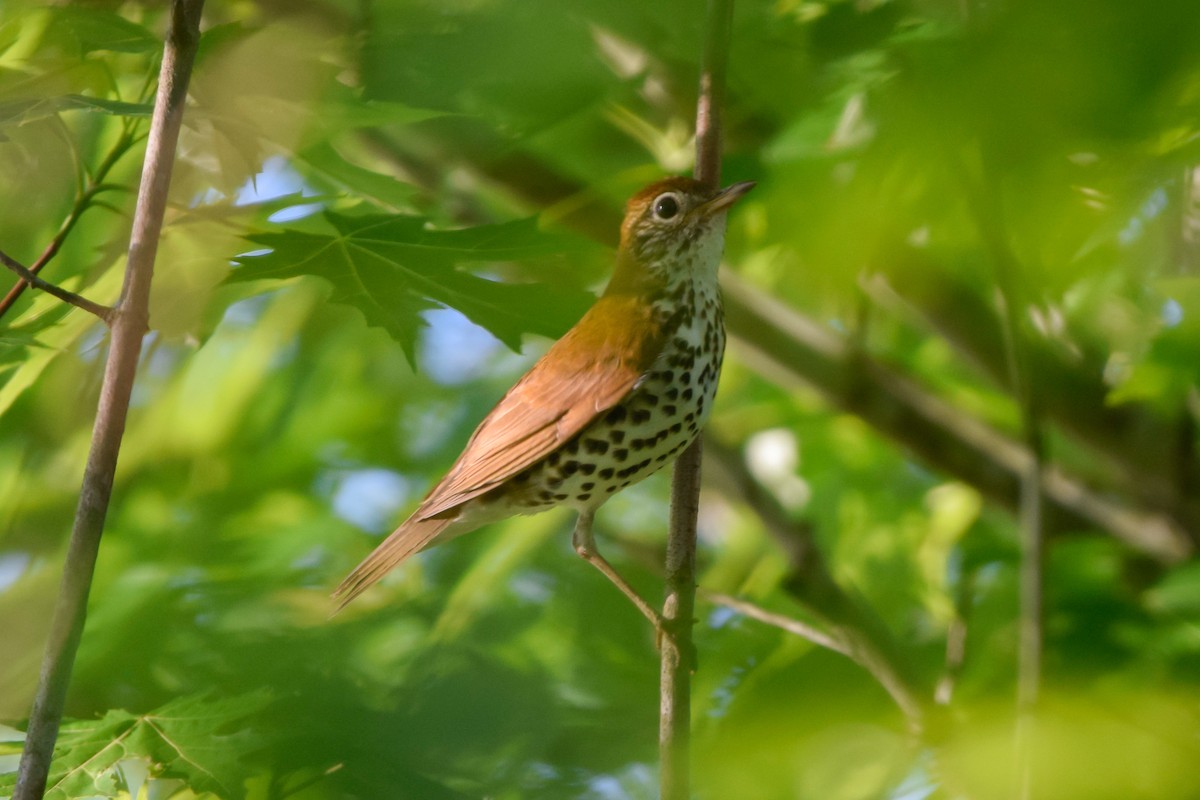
667 205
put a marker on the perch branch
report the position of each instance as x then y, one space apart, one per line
678 661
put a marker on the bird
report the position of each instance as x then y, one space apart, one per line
618 397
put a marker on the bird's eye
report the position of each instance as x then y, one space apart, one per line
666 206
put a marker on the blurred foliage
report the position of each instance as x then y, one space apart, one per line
365 188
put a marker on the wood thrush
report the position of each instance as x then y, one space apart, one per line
614 400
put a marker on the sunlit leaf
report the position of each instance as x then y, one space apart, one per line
331 166
25 111
393 267
202 740
99 29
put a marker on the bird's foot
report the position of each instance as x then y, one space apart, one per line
585 546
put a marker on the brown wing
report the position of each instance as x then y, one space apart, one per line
590 370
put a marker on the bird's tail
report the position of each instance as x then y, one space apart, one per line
414 535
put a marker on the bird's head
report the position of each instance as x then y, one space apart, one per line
674 226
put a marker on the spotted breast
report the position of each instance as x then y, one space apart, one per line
661 416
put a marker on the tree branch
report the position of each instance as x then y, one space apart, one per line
1131 444
675 717
787 346
128 323
103 312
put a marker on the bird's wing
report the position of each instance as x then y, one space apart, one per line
586 373
414 535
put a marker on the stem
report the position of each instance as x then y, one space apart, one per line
956 641
784 623
27 275
678 658
712 92
129 323
1032 575
678 661
84 201
988 209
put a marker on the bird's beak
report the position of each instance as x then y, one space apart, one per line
724 199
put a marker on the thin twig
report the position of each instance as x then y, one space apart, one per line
128 323
675 717
83 201
789 624
103 312
956 640
866 639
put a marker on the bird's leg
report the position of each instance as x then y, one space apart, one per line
585 546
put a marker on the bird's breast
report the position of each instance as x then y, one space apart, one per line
651 426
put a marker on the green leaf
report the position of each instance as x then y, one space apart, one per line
196 739
22 112
393 267
343 110
1169 370
329 164
103 30
105 106
1178 593
402 236
13 341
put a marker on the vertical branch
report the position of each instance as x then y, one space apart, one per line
712 92
987 208
675 679
674 732
1033 547
1184 234
129 322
